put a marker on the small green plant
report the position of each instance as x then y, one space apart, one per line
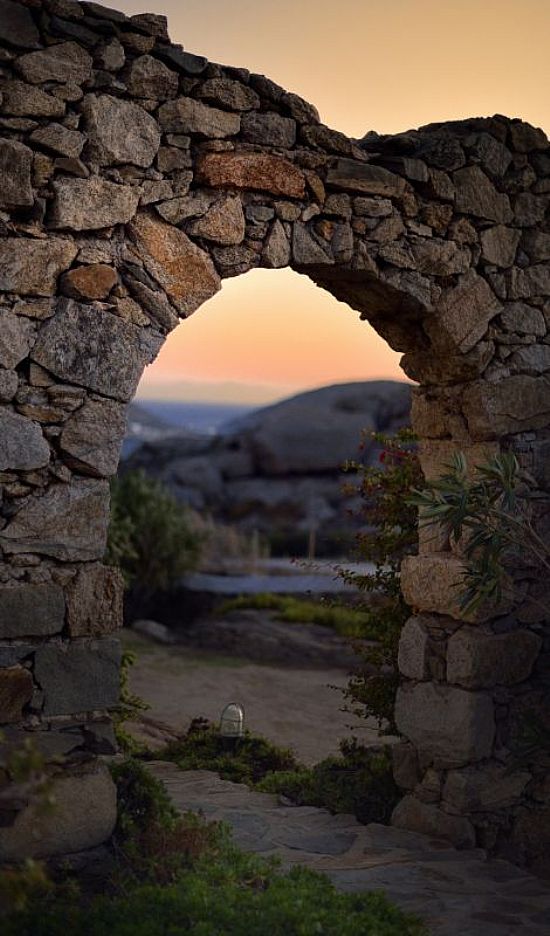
359 782
151 536
488 511
346 621
129 707
203 748
391 533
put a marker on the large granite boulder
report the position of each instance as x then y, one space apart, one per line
279 469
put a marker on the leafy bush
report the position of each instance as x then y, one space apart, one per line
237 896
359 782
391 534
150 534
488 512
181 876
347 621
203 748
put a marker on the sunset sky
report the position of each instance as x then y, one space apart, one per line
387 65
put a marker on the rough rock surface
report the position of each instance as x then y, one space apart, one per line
67 828
91 204
280 467
22 445
31 267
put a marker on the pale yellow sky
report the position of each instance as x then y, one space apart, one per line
386 65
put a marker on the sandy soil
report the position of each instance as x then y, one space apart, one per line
294 708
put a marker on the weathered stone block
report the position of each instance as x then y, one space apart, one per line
231 95
428 819
413 652
499 245
78 676
149 78
22 100
448 726
96 349
94 281
28 610
16 689
223 223
406 770
435 583
67 61
91 204
476 659
9 381
476 195
17 26
83 816
22 445
463 314
31 267
59 139
68 522
184 271
94 601
439 257
256 171
523 319
16 339
306 249
15 172
436 456
484 789
365 178
119 131
268 129
184 115
277 247
94 434
515 404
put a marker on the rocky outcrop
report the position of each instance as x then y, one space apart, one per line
279 469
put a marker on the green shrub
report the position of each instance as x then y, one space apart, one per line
391 534
235 897
346 621
151 537
489 511
180 876
359 782
203 748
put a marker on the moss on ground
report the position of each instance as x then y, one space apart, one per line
344 620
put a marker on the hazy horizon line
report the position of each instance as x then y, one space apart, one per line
235 392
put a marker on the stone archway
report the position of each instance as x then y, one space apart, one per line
135 177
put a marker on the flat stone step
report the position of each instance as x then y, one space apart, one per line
456 893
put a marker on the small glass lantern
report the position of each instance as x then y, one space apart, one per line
232 722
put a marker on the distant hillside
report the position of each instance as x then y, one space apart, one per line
277 469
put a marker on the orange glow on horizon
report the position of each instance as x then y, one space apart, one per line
273 327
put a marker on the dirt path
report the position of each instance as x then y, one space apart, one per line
291 707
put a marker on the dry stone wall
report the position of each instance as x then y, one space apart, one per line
135 177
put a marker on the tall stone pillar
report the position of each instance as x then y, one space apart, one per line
473 686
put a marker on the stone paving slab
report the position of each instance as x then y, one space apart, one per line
456 893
